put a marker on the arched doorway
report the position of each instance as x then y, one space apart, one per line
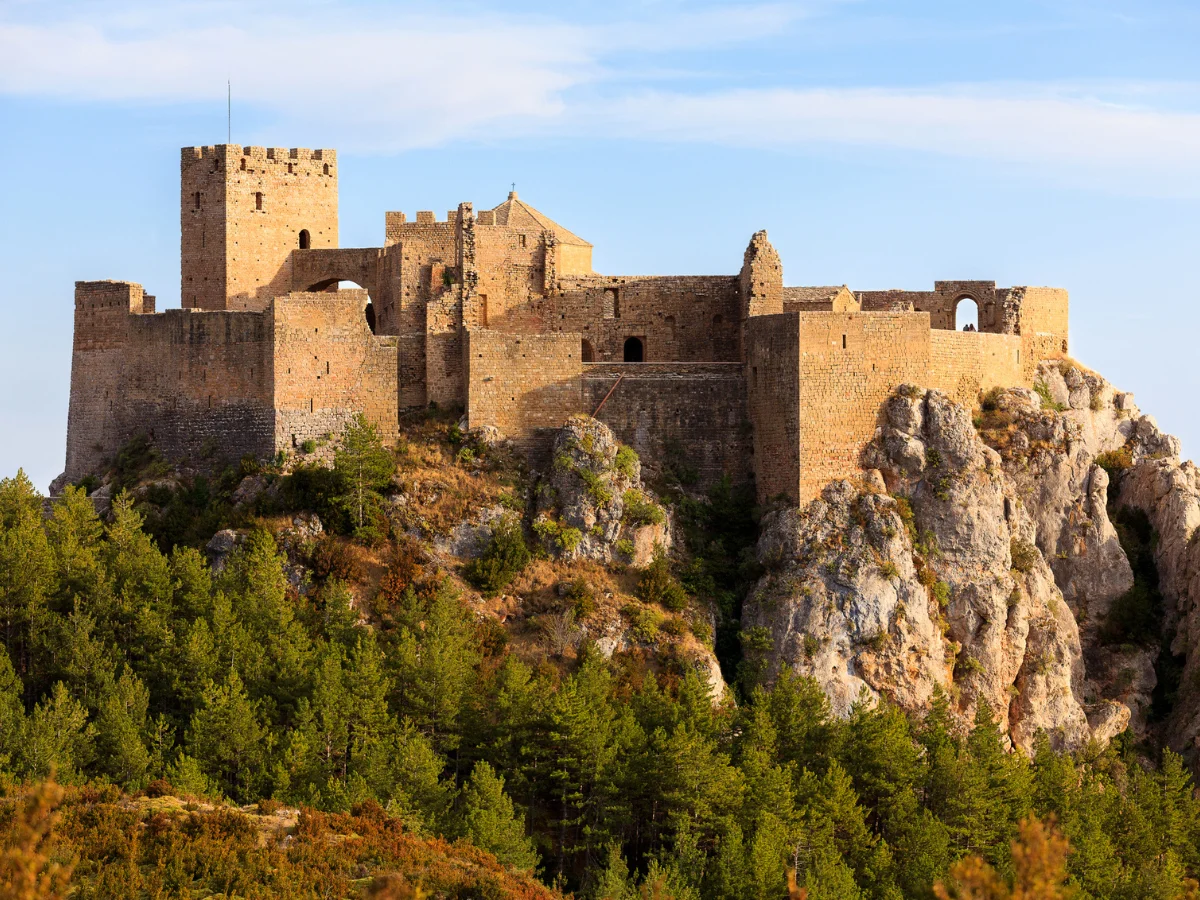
966 315
305 239
586 352
369 312
634 350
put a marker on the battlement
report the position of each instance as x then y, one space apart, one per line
273 154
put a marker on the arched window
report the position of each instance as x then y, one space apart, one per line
258 200
305 240
966 315
243 164
370 313
634 350
669 323
326 168
586 352
718 320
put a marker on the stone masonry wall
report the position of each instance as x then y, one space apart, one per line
242 212
849 363
963 363
196 382
692 415
1043 318
524 385
677 319
329 367
773 401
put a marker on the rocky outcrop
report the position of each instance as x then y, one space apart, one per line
592 503
940 584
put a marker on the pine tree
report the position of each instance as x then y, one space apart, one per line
489 820
227 739
120 731
612 881
365 465
58 738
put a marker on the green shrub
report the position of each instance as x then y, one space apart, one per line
506 555
905 511
644 622
626 460
1115 462
563 537
308 447
673 626
991 400
624 548
641 510
1048 402
596 489
941 593
582 598
811 646
658 585
888 570
1024 555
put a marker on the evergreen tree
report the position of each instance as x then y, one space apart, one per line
227 739
120 731
58 738
488 820
366 467
612 881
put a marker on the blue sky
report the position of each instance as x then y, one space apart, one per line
882 144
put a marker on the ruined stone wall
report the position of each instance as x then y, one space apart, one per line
242 212
849 363
511 263
423 266
1043 321
196 382
524 385
773 402
942 303
329 367
820 299
964 363
684 318
688 416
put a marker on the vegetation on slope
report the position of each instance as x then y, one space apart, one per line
395 710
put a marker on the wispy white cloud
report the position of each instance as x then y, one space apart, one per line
378 79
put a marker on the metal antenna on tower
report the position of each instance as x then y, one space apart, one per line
229 111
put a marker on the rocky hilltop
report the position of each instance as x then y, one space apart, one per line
988 556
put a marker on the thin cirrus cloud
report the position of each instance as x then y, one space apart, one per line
388 85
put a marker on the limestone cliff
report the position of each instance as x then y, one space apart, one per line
977 556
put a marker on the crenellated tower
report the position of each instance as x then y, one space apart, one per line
243 210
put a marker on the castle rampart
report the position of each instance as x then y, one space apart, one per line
500 312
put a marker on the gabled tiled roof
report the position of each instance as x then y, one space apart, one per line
516 213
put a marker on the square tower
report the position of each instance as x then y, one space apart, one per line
243 210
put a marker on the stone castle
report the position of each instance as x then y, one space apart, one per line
499 312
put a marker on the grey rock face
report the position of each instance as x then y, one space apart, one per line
940 584
593 505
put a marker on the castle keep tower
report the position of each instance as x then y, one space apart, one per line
242 212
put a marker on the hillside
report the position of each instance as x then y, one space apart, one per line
607 680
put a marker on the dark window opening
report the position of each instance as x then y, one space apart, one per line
843 342
370 313
586 351
326 168
289 168
243 164
718 320
197 199
634 351
305 240
521 239
258 200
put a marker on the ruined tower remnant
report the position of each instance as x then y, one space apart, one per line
499 312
